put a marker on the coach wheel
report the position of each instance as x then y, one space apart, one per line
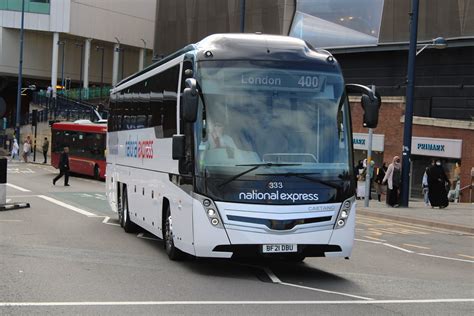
120 208
128 226
96 172
173 252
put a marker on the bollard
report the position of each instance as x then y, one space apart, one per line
3 190
3 180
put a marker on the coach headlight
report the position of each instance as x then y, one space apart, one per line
344 213
211 210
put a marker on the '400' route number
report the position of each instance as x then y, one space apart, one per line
275 185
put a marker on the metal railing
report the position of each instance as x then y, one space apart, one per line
82 94
63 109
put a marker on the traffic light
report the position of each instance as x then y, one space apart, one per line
34 117
3 107
371 110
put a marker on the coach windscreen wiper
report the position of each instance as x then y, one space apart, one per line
256 166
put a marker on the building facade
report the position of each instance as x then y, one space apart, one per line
370 40
89 42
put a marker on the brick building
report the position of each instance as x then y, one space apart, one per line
452 139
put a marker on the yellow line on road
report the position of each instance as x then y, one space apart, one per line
416 246
373 238
417 226
466 256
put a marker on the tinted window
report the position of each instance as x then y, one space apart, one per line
150 103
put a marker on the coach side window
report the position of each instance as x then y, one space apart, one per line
164 87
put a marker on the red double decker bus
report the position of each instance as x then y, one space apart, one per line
86 141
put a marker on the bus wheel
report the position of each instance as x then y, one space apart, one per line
173 252
120 207
128 226
96 172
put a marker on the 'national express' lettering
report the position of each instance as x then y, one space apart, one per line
265 196
139 149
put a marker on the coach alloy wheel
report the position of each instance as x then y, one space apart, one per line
120 205
128 226
173 252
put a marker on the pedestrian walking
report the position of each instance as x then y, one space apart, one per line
63 167
370 172
424 185
361 174
45 149
15 150
380 188
26 150
392 178
437 183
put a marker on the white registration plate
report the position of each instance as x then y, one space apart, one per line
278 248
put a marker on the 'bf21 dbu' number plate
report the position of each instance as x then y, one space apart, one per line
279 248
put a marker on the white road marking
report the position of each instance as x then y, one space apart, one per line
21 196
276 280
399 248
149 303
326 291
8 200
65 205
272 275
18 188
409 251
106 221
447 258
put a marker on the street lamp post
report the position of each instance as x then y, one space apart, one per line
62 44
242 16
142 55
408 124
82 66
122 52
101 48
20 73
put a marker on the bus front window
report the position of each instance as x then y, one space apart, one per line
263 114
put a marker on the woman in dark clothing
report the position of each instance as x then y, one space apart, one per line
379 186
437 181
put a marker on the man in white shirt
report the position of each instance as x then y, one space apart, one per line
26 150
217 138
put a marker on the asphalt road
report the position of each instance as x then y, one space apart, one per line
67 255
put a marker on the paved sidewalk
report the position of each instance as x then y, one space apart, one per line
457 216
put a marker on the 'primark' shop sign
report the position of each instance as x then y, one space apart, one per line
361 141
436 147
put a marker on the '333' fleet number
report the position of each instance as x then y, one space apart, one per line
275 185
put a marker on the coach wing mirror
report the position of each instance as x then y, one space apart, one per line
179 143
370 102
190 101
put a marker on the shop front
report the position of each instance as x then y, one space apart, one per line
360 142
423 150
